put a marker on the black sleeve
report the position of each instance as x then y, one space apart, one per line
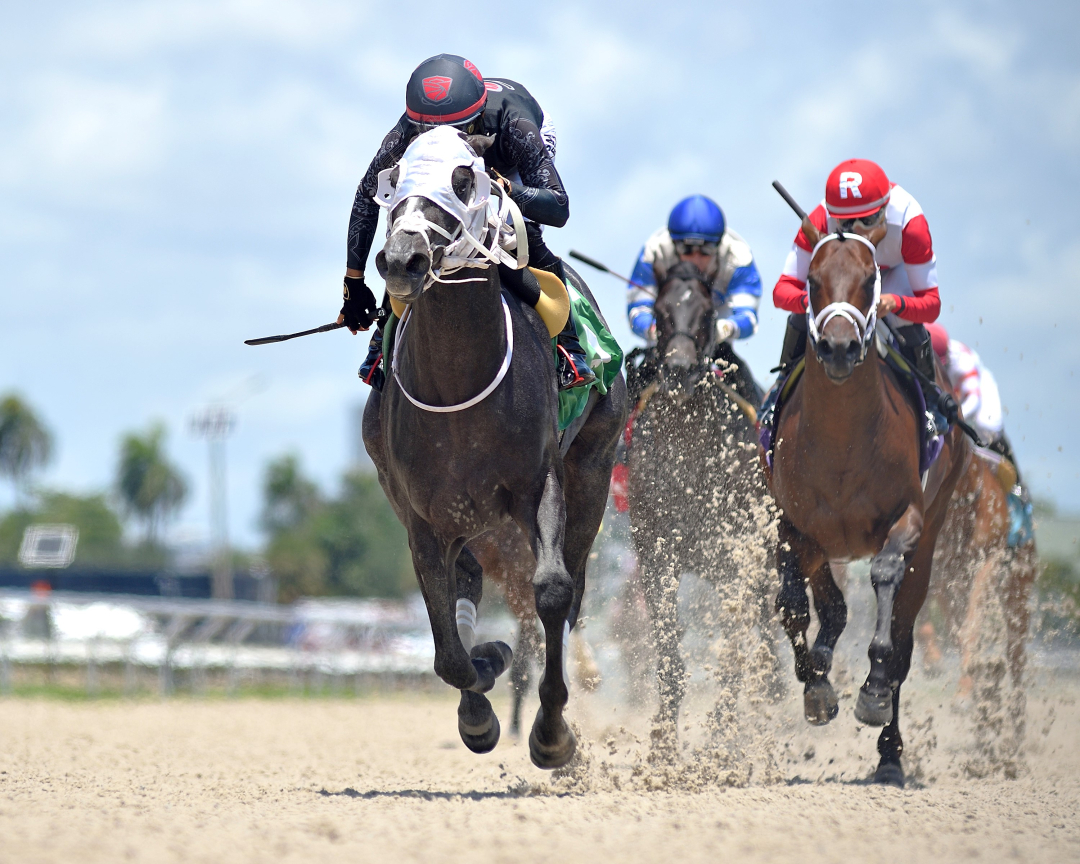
540 195
365 212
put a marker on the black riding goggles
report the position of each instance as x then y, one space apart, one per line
871 221
692 244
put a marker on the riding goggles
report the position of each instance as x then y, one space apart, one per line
871 221
695 244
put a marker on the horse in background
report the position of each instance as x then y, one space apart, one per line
464 433
696 497
845 469
982 587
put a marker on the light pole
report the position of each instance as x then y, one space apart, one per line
215 423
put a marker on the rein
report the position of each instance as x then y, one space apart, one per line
479 397
864 324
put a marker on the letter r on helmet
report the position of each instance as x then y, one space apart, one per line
850 180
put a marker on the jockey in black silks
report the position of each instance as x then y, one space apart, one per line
449 90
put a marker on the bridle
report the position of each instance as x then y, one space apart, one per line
484 234
864 324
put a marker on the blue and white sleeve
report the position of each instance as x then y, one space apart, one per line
639 301
743 298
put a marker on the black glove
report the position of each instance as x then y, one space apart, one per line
360 308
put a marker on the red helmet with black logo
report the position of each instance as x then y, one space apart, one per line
856 188
445 89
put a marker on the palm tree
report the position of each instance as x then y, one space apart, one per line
151 489
25 443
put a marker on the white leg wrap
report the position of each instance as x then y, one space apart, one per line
466 622
565 652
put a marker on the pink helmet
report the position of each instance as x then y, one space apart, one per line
939 336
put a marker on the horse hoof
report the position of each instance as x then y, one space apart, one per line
480 740
889 774
548 756
820 704
874 709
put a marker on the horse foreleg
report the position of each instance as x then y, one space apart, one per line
909 599
477 724
874 707
552 743
820 704
797 555
436 569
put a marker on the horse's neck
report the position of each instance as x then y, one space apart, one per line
848 414
455 340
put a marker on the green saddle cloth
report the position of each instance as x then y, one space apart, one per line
601 350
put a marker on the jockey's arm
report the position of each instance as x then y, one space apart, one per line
540 194
364 220
742 296
640 300
917 250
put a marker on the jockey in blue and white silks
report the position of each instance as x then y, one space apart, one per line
697 232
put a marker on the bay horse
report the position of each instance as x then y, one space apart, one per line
464 434
974 566
696 496
845 473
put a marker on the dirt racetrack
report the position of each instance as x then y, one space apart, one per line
386 779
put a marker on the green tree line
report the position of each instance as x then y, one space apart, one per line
348 544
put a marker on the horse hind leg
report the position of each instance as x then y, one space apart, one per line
874 707
527 652
551 742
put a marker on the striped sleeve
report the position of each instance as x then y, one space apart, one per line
639 300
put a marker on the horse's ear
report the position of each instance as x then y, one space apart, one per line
479 144
876 234
813 236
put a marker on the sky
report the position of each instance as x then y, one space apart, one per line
176 177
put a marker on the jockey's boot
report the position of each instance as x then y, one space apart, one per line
793 349
371 371
571 365
919 351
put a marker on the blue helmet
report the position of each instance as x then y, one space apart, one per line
696 218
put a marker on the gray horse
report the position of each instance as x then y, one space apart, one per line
454 475
697 500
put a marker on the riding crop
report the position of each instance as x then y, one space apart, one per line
380 318
946 403
592 262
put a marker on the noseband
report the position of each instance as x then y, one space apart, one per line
864 324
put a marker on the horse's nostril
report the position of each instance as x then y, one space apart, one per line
852 350
417 264
825 348
380 264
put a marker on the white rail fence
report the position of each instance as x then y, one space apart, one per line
331 640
